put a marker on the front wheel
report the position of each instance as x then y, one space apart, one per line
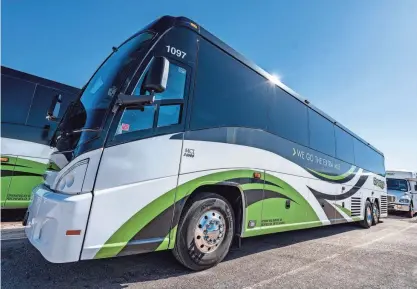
205 232
367 221
410 213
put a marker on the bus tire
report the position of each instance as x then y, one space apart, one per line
205 232
375 213
367 219
410 213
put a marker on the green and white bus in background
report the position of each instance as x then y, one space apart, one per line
179 142
25 132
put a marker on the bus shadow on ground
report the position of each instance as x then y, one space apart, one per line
279 240
24 263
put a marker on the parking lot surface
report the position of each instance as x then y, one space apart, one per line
341 256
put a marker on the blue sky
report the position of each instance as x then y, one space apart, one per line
356 60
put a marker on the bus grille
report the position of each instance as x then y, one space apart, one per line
384 205
355 205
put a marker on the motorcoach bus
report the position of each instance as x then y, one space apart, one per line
179 142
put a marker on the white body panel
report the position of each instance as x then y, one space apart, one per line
113 207
50 216
138 161
212 156
130 176
21 148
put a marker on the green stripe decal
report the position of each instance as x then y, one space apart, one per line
301 214
138 221
346 211
335 178
275 216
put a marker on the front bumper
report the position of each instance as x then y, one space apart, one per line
50 215
398 207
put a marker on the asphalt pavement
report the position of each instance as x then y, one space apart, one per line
340 256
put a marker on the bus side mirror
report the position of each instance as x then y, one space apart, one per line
157 76
415 188
155 82
54 108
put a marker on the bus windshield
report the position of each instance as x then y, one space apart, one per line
397 185
89 111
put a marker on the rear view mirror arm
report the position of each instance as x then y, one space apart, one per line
125 100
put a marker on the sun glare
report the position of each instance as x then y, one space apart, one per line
275 79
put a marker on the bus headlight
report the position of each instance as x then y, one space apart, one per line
404 200
71 182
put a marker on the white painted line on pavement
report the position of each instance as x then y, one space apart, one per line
302 268
12 234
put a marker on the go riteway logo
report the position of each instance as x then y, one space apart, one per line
379 183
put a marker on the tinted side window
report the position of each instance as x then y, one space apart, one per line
136 120
227 93
344 146
16 97
175 85
368 159
169 115
321 133
287 116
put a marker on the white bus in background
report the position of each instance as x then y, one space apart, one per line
26 132
402 191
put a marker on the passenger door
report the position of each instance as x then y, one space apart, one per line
136 182
138 173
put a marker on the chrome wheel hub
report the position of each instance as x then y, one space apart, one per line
209 232
369 215
375 213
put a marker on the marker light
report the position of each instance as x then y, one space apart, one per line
4 160
73 232
194 25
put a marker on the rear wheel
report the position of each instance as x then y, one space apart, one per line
375 213
410 213
367 221
205 232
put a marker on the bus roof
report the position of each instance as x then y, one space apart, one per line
402 174
219 43
7 71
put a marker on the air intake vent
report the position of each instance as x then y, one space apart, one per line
355 205
384 205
